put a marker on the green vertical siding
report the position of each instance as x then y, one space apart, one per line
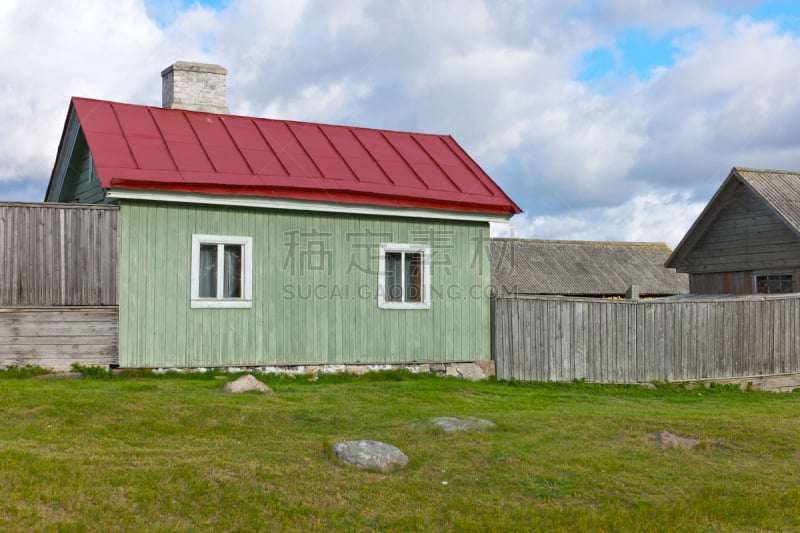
301 314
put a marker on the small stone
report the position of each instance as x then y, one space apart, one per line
451 424
488 367
468 371
665 440
370 454
246 383
357 370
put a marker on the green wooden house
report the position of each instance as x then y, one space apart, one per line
254 242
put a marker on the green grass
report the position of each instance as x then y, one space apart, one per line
173 453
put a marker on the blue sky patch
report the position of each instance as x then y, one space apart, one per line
597 64
785 13
635 51
638 52
164 12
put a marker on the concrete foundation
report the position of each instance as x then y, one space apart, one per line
469 370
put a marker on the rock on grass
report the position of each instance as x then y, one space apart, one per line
666 440
246 383
370 454
450 424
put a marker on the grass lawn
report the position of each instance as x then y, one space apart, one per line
174 453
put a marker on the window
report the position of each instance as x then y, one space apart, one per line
774 282
221 271
404 277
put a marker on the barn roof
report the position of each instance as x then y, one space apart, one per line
778 189
585 268
138 147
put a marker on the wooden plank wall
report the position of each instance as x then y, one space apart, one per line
58 254
57 337
745 235
301 313
721 282
733 282
618 341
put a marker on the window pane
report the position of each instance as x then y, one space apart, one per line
233 271
208 271
414 277
786 285
774 283
394 279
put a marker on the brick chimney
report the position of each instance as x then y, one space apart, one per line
194 87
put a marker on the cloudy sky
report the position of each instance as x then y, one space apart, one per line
608 120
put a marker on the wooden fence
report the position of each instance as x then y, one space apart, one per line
56 337
539 338
58 254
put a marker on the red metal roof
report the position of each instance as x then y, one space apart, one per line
141 147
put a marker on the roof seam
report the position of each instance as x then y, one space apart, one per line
269 145
403 158
125 137
163 139
371 155
200 142
304 149
435 162
341 157
469 165
236 145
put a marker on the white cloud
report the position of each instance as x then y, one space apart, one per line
649 218
726 102
51 53
628 161
318 103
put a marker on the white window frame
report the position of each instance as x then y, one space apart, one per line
246 300
385 248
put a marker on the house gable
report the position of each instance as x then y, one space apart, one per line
745 227
81 184
74 177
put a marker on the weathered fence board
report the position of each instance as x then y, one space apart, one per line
58 254
551 338
57 337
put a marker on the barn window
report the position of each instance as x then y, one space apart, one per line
774 283
404 276
221 271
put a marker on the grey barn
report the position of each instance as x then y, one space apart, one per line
747 239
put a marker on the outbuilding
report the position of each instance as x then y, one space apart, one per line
747 239
595 269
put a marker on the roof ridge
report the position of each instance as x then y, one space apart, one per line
292 121
581 242
767 170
